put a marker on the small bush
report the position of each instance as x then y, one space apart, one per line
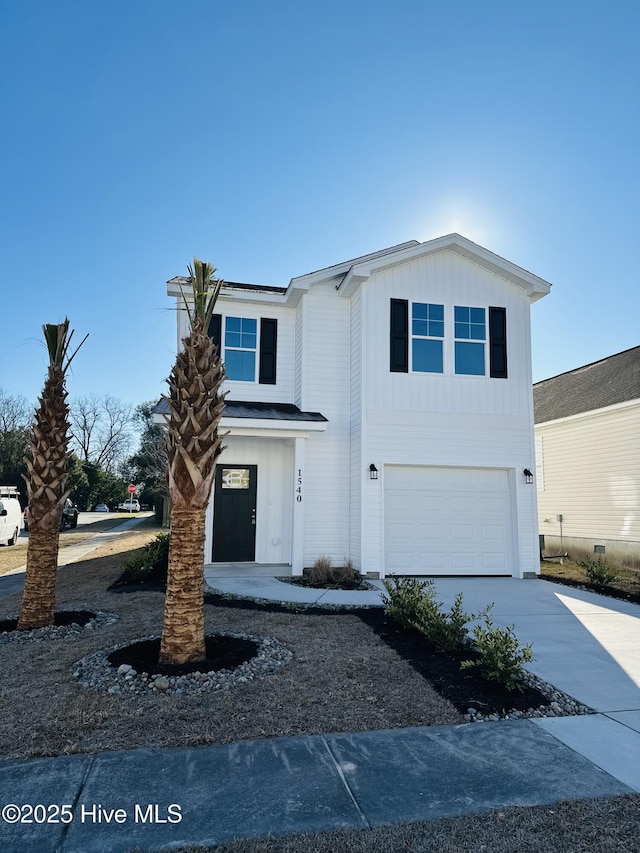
348 573
413 604
321 571
154 557
404 600
500 655
599 572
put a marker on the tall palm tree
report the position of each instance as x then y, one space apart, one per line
193 444
46 478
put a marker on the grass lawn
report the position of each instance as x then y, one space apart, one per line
344 676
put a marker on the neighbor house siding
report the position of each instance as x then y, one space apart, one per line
326 389
592 474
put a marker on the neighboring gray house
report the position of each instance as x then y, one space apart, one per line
380 410
587 426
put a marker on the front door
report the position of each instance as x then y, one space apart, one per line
234 522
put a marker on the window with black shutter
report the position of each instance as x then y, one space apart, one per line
399 336
498 343
215 329
268 350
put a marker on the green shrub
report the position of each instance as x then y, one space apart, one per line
500 655
413 604
599 572
154 557
404 600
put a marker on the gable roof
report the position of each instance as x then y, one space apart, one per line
615 379
348 275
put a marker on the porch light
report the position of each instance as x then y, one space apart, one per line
373 472
528 476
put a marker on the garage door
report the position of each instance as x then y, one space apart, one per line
447 521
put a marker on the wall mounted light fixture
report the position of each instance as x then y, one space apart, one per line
528 476
373 472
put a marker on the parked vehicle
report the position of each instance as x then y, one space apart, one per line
10 515
101 508
69 515
130 505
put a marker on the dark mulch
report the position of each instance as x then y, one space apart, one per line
222 653
464 688
153 579
61 618
350 585
611 591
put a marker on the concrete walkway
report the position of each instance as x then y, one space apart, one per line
585 644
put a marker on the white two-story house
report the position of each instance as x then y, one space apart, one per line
379 410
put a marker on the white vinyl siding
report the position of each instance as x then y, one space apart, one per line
326 384
447 279
592 475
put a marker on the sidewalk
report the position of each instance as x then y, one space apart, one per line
298 784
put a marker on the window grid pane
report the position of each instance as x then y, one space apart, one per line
241 338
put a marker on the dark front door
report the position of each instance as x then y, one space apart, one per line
234 511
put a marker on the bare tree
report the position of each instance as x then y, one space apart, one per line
15 412
102 431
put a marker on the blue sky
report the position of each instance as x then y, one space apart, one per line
274 137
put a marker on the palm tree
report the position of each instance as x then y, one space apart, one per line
46 478
193 444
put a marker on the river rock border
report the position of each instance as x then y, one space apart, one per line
95 673
560 705
59 632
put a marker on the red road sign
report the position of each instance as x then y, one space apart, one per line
132 489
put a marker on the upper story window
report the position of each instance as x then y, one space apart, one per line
240 346
249 355
427 337
423 330
470 333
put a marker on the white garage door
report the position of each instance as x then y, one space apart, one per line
447 521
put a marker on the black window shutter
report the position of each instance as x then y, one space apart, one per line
498 343
399 336
268 350
215 329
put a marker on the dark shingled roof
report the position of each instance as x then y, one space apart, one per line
266 411
612 380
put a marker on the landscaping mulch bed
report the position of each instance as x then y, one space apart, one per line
61 618
611 591
464 688
348 585
221 653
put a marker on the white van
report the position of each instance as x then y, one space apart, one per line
10 515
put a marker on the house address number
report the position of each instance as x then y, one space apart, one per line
299 486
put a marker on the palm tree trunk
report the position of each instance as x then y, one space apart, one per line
39 597
183 631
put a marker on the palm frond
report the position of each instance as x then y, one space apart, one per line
58 340
205 290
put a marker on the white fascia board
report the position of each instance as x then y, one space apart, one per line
234 295
534 286
338 271
263 426
615 407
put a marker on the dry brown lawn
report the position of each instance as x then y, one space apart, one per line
343 677
14 556
607 825
628 580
